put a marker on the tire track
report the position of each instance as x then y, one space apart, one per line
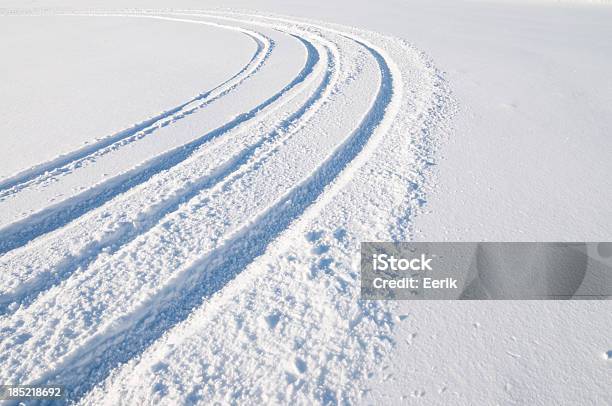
21 232
293 329
251 240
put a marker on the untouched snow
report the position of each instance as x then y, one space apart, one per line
210 253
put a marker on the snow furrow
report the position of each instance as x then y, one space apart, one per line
195 229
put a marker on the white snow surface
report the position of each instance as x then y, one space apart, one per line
181 214
73 80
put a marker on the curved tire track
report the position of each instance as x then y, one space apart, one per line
201 260
268 225
293 329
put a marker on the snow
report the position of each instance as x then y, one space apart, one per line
211 253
